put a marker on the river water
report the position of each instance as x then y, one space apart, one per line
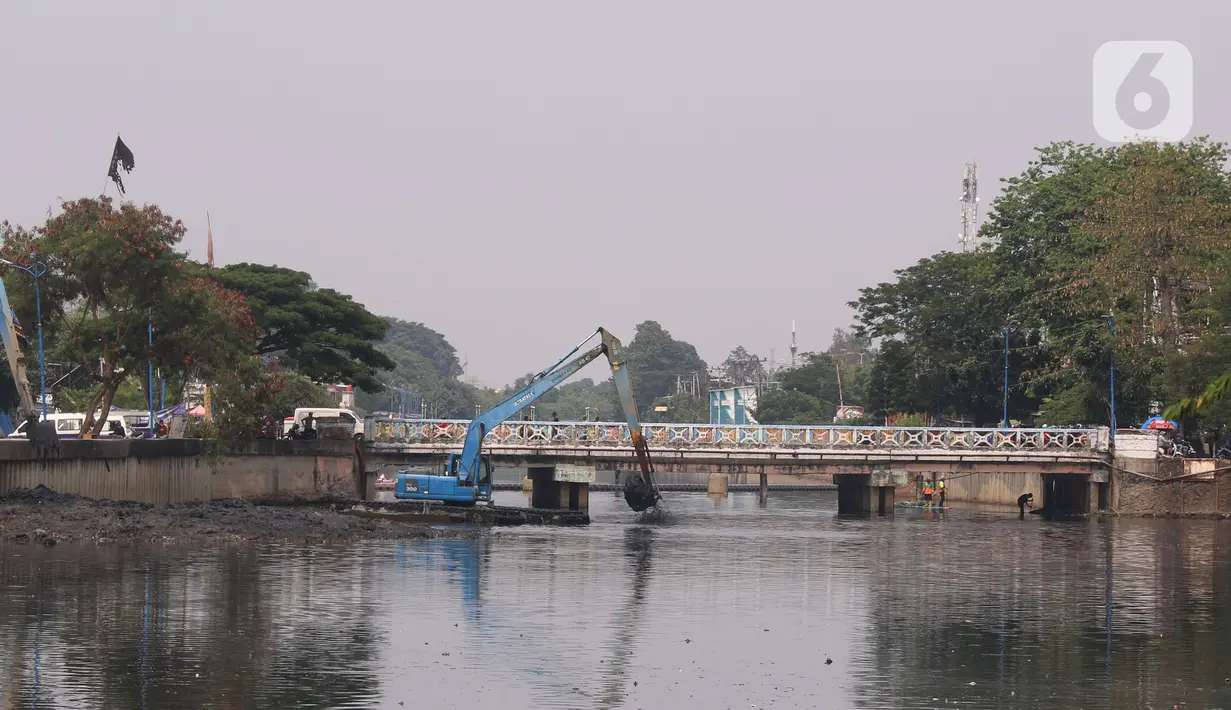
726 604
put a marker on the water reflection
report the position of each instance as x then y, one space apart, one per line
736 603
638 554
227 628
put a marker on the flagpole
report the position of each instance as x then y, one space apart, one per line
104 191
209 262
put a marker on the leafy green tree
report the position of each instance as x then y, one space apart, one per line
789 406
128 395
299 391
896 383
120 272
817 377
1137 231
742 368
319 332
656 360
408 336
950 312
851 348
678 409
426 363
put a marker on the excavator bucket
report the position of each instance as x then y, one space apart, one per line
640 495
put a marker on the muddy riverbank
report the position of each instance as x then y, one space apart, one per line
43 516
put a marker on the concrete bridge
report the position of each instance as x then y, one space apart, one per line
868 464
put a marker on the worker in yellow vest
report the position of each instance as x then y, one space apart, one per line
941 486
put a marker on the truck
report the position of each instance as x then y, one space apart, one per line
467 478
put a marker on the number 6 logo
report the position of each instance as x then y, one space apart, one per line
1143 90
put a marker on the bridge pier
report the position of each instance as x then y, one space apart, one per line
854 493
718 484
1069 493
553 489
868 493
885 499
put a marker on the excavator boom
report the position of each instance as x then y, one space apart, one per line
468 475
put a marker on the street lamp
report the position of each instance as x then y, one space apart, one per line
36 270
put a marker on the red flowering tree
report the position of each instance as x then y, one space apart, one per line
112 272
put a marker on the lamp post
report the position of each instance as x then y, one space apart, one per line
1111 328
1005 420
36 270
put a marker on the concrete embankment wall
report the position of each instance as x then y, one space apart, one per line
1172 487
1001 487
185 470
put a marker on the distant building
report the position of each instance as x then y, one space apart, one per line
848 411
344 395
734 405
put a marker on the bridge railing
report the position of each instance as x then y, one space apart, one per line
535 435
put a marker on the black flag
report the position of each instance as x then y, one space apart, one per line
121 157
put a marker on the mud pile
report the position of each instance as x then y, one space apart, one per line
41 515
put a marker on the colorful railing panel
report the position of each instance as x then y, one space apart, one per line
537 435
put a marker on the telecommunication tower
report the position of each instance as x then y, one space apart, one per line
794 348
970 207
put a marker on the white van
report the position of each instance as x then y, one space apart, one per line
68 426
346 415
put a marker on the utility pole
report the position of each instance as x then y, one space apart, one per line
1111 326
1006 377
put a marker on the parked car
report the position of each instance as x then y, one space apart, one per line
68 426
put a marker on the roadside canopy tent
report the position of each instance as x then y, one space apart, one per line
1159 423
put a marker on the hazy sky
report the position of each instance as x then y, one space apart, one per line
516 174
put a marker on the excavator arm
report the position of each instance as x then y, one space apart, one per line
639 491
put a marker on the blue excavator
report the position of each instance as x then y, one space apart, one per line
467 478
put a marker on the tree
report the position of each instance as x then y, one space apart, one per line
1137 231
950 312
319 332
119 270
655 361
679 409
791 407
1209 353
418 338
1163 221
244 400
742 368
897 383
817 377
298 391
424 362
851 348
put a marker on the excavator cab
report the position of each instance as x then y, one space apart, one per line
449 487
